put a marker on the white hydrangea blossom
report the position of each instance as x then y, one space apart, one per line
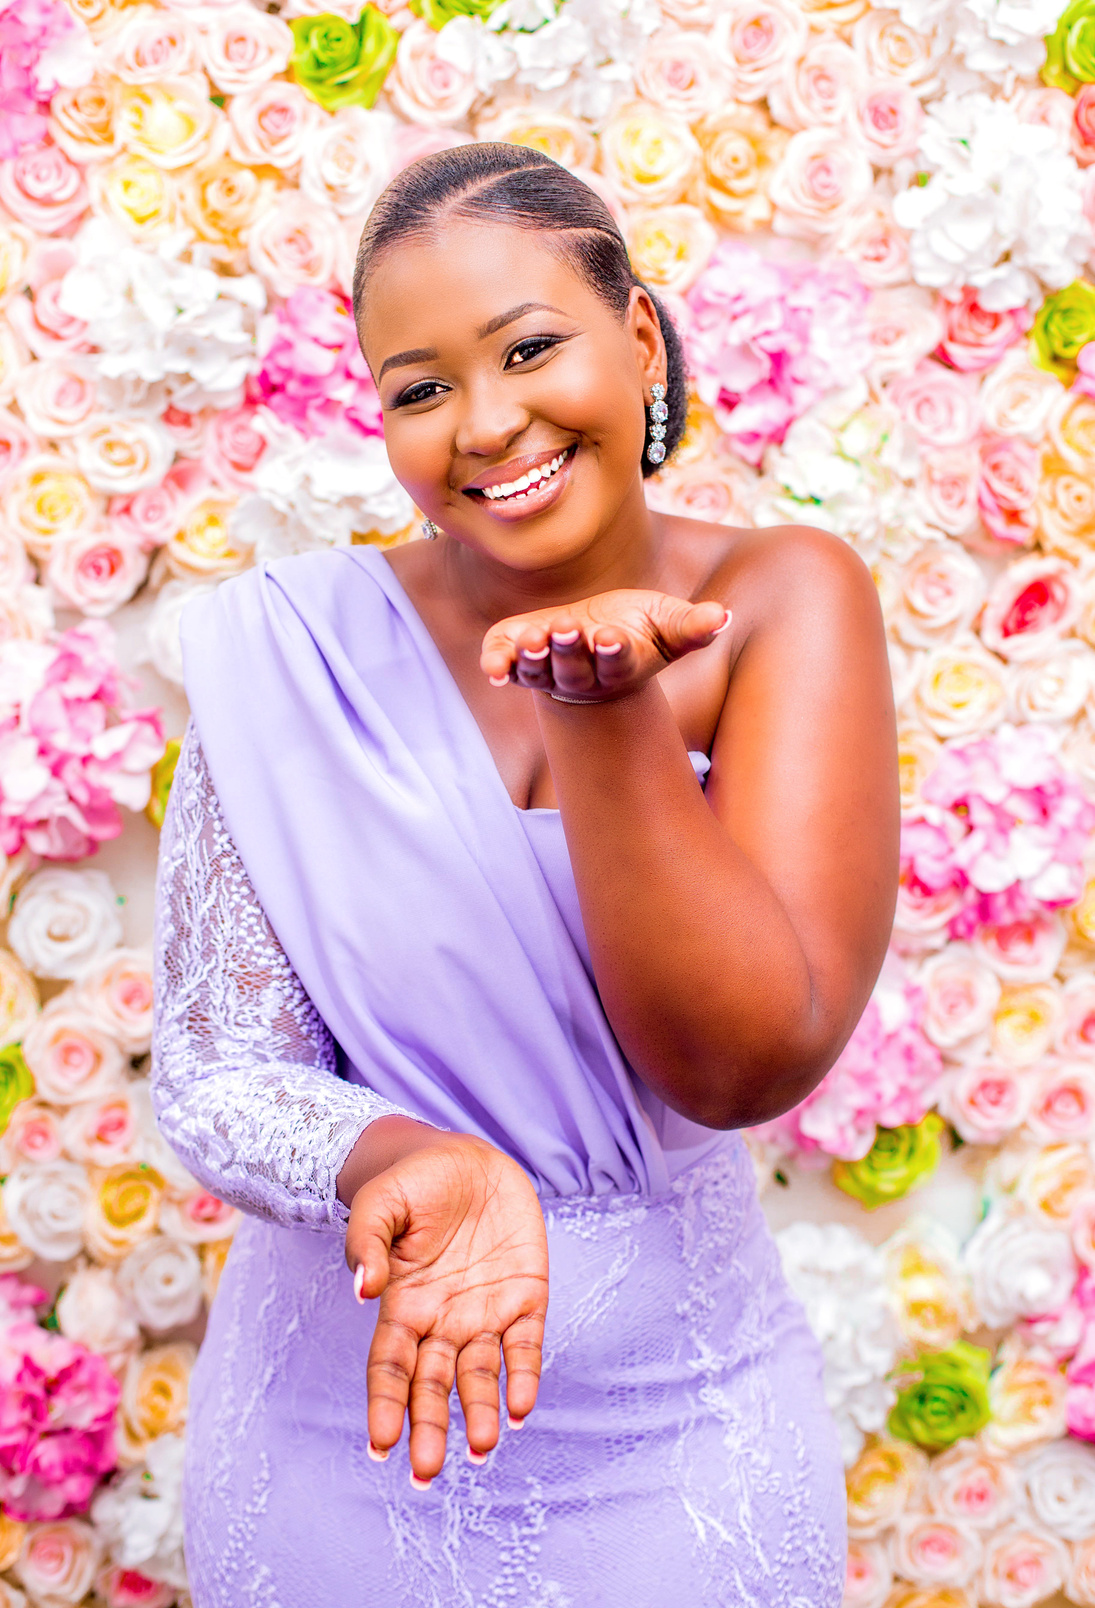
156 319
840 1279
140 1518
1002 208
319 493
999 38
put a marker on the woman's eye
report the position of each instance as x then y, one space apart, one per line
530 348
424 391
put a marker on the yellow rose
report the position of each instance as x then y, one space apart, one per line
11 1540
203 548
929 1291
566 140
220 200
47 501
1055 1180
84 121
18 1000
670 246
961 690
1083 914
832 14
122 1210
917 756
649 156
155 1398
741 148
905 1596
1066 510
167 123
1027 1399
136 194
100 16
1025 1021
881 1483
15 248
214 1254
1072 430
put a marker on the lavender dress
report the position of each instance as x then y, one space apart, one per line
353 920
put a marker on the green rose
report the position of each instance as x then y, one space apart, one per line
340 63
1064 326
163 774
438 12
946 1400
1070 51
899 1160
16 1082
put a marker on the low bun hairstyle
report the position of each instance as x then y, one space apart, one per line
512 184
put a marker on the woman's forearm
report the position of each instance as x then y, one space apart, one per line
380 1146
698 965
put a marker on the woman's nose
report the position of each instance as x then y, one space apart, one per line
491 417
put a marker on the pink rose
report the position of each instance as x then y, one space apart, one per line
57 1562
890 118
1010 472
824 175
198 1219
934 1551
1026 950
42 188
127 1588
1083 125
272 123
101 1133
940 405
1080 1393
70 1055
961 995
948 485
1031 606
32 1134
1063 1103
756 42
58 396
97 572
973 1484
233 447
904 327
976 338
295 243
151 517
117 992
985 1103
242 48
677 72
424 87
151 45
1082 1223
16 442
821 87
1023 1566
1076 1032
868 1575
873 244
47 329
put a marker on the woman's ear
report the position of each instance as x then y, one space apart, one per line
646 329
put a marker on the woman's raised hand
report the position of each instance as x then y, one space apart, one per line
601 648
452 1240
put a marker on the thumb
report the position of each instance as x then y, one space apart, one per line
687 626
377 1217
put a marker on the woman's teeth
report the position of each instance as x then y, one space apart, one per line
521 488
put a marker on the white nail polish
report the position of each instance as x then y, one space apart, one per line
359 1284
719 629
376 1454
498 681
564 639
515 1423
419 1484
478 1458
608 649
536 653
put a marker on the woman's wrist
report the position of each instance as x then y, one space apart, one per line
381 1145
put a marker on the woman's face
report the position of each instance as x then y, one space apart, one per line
513 395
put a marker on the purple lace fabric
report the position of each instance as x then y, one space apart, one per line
681 1450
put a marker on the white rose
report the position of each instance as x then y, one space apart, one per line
962 996
349 160
163 649
92 1310
973 1484
58 1561
1019 1267
45 1204
241 48
1055 687
1061 1485
18 999
941 590
154 1149
163 1282
57 397
140 1518
120 456
933 1551
1017 398
70 1055
424 87
64 920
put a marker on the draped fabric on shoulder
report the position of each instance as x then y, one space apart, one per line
395 871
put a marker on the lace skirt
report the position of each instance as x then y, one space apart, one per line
680 1452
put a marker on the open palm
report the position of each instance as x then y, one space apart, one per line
452 1240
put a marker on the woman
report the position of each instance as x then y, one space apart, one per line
463 970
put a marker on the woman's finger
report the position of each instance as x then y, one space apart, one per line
522 1348
477 1371
687 626
430 1387
497 659
571 661
533 662
613 657
393 1357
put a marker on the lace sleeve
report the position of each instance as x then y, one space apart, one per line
244 1077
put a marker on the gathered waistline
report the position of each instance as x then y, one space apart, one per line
730 1165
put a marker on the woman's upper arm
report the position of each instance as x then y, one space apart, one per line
804 763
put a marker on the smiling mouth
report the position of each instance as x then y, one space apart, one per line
528 484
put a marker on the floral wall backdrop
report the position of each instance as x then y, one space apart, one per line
876 229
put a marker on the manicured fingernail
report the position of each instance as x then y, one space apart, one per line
498 681
536 653
515 1423
376 1454
478 1458
719 629
606 649
565 639
420 1484
359 1283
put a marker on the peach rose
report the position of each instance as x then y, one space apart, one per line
122 1210
1026 1021
1071 428
221 200
423 86
96 572
961 690
13 360
1063 1103
242 48
57 397
917 756
70 1055
973 1484
670 246
940 405
890 48
120 456
904 327
1030 607
824 175
46 501
821 88
873 243
884 1481
204 548
962 994
948 483
57 1561
867 1575
16 246
151 45
1023 1566
1080 1586
348 161
1055 1180
649 156
295 243
567 140
1018 399
1027 1398
136 194
976 337
42 188
678 74
932 1550
1082 1228
1008 489
741 148
83 120
170 124
890 118
755 41
1065 509
272 124
155 1394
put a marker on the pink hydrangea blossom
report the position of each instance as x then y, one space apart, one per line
71 751
57 1404
766 340
1003 832
886 1076
40 44
313 373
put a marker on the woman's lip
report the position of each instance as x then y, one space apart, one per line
535 500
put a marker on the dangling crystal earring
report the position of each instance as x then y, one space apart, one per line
430 530
658 415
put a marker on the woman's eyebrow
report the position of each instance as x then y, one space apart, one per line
417 354
493 325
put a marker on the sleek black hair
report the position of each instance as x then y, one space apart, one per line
515 185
